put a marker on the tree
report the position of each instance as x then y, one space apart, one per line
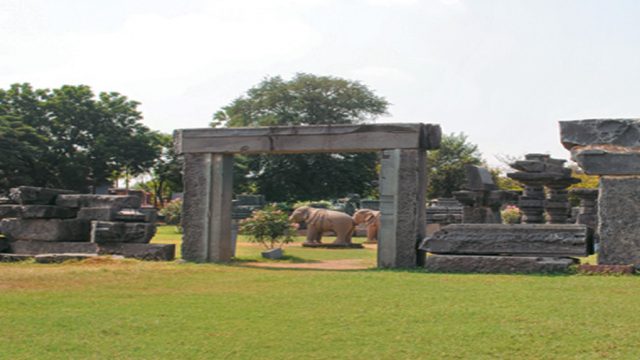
304 100
446 165
74 140
166 171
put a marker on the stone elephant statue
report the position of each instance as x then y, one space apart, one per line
321 220
372 219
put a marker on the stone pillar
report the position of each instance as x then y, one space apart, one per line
531 203
402 208
611 148
557 203
207 207
588 214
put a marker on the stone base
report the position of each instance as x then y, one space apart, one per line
496 264
8 257
333 246
58 258
158 252
607 269
273 254
45 229
548 240
370 242
46 247
126 232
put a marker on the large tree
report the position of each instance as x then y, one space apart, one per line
304 100
68 138
446 172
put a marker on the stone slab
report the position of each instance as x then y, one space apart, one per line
618 132
517 239
94 201
607 269
8 257
47 247
30 195
273 254
496 264
479 179
36 212
600 162
127 232
115 214
308 139
45 229
333 246
619 221
158 252
60 258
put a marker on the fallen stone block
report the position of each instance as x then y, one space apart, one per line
30 195
7 257
95 201
127 232
45 229
519 239
158 252
496 264
36 212
58 258
47 247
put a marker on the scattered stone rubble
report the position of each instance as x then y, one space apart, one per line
62 225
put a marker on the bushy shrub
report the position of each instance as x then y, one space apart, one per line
322 204
269 227
511 215
172 213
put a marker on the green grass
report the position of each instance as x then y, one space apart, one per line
129 309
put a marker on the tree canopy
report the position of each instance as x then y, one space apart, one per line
446 165
69 138
304 100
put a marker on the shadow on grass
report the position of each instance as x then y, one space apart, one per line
284 259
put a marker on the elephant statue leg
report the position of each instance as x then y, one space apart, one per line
312 235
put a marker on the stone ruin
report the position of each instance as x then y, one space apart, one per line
481 197
442 212
54 225
481 244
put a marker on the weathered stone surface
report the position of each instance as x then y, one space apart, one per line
115 214
518 239
45 229
619 221
619 132
306 139
95 201
150 214
4 244
479 179
601 162
36 212
59 258
496 264
30 195
158 252
402 208
128 232
207 207
8 257
47 247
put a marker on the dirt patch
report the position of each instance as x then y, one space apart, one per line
344 264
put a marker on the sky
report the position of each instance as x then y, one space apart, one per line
503 72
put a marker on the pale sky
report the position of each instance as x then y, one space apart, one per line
501 71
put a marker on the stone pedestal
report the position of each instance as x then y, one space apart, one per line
611 148
402 208
588 213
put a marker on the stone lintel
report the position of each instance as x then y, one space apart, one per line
308 139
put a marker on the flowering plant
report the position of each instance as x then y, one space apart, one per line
511 214
269 227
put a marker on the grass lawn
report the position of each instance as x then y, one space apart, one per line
132 309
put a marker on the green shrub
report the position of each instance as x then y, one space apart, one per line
269 227
321 204
172 213
511 215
